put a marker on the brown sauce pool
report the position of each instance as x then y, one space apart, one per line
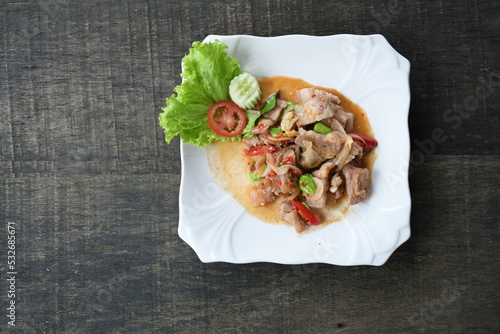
228 164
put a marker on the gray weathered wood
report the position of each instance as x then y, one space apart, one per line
93 187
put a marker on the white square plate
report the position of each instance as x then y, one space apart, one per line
369 72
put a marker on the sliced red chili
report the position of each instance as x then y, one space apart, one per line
270 138
260 150
261 128
305 213
290 160
365 142
280 139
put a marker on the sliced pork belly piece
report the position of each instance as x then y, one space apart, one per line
333 124
349 151
349 125
326 145
289 156
310 158
262 196
317 147
357 181
261 165
307 94
313 105
335 184
288 175
284 156
345 119
288 213
316 105
324 170
279 175
288 183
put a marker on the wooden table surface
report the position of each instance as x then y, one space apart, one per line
92 187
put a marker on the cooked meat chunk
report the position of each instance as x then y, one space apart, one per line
335 184
261 166
356 183
349 151
262 196
288 175
284 156
307 94
344 118
288 157
326 145
333 124
288 182
310 158
317 147
349 126
313 105
288 213
324 170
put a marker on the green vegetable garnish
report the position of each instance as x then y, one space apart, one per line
270 103
307 184
275 131
207 73
322 128
255 175
253 115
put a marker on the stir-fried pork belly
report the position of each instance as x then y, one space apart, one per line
325 169
335 184
319 105
279 176
313 105
289 214
294 148
283 164
310 158
335 125
349 151
356 182
323 147
262 196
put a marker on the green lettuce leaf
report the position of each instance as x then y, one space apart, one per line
207 72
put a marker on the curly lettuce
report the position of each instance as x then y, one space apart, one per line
207 73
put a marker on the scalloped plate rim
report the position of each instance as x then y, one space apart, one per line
187 227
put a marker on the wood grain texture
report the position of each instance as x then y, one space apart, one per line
86 175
